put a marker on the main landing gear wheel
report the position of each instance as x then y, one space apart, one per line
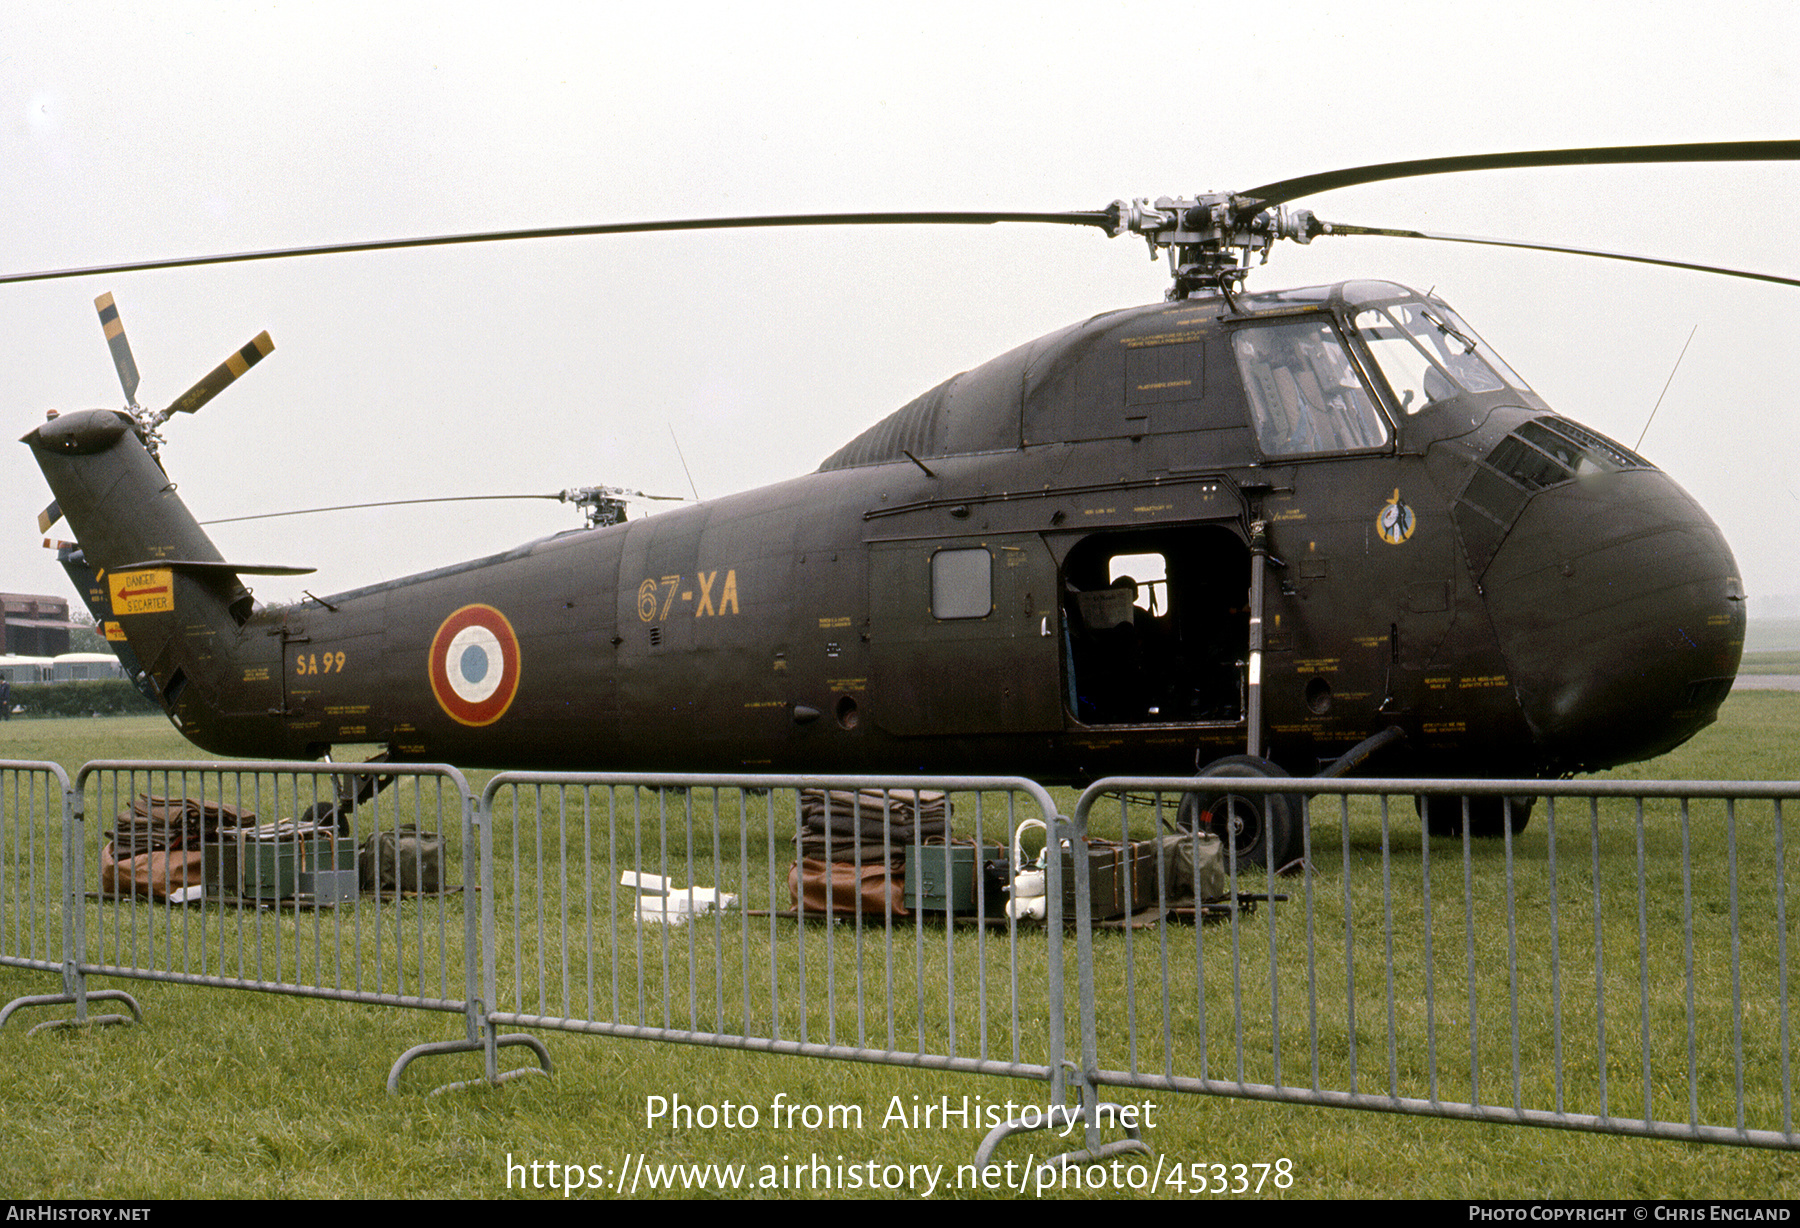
1264 828
1488 815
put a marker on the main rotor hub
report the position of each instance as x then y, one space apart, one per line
1210 238
605 505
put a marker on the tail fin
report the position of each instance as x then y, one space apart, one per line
183 609
92 587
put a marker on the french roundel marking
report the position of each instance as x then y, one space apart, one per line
474 665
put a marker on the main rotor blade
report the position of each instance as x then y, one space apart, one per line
1335 228
114 328
353 507
221 377
560 496
1089 218
1285 190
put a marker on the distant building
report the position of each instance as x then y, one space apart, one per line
26 671
35 626
84 667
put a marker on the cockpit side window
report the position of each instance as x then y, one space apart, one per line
1305 394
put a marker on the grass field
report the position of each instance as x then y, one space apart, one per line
1785 661
1771 635
238 1094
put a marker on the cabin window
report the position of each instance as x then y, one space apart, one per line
962 584
1148 576
1305 394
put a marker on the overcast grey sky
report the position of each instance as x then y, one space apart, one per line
141 131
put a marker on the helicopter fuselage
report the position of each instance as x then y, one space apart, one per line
1040 567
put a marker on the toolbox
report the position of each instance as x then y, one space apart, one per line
928 888
1110 868
249 866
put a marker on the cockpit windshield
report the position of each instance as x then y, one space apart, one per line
1429 355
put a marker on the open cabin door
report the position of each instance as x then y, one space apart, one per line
964 636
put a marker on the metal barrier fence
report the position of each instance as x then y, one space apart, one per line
33 801
1620 965
36 883
891 979
170 889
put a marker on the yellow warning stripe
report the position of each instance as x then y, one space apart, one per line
250 355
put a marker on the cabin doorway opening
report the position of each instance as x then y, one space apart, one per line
1156 626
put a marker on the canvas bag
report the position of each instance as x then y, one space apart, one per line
406 859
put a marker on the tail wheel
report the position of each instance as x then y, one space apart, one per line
1489 816
1260 828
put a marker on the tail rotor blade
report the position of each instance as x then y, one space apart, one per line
49 516
222 376
120 346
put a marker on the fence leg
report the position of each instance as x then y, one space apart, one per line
471 1046
481 1039
79 1000
1061 1118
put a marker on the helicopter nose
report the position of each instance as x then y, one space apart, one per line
1620 613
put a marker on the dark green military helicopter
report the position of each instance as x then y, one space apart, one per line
1239 533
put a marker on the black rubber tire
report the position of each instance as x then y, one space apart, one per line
1265 828
1443 814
